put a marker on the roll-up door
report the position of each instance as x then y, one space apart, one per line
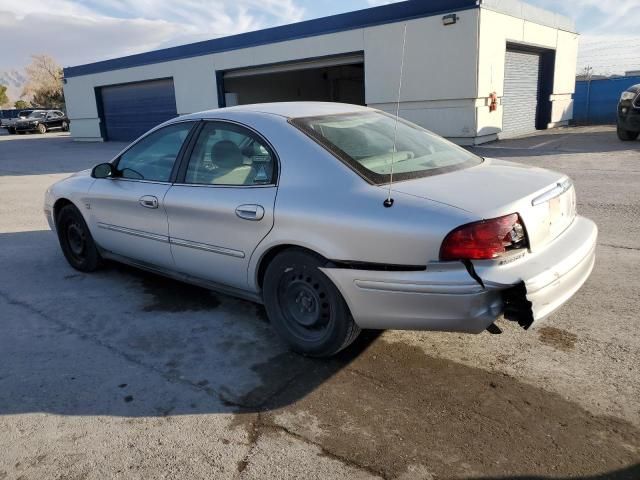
521 92
131 109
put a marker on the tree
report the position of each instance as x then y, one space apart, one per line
44 82
4 98
21 105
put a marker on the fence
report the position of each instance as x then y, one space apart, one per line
595 102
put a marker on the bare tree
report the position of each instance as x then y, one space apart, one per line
4 98
44 82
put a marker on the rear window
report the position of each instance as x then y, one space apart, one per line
365 142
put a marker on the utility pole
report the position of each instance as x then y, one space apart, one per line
589 73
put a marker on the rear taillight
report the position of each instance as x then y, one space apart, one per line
484 240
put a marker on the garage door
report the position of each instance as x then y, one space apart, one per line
521 91
131 109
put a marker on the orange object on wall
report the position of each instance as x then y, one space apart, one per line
493 105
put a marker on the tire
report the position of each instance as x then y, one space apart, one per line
21 133
12 131
304 306
627 135
42 128
76 241
65 127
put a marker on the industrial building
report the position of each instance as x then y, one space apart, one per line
474 71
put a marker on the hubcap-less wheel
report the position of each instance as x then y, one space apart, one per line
303 305
76 241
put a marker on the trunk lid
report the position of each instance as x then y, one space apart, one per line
545 200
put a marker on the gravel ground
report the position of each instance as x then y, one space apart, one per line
122 374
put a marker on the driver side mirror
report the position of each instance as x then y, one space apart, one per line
104 170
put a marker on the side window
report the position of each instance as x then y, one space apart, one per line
227 154
152 158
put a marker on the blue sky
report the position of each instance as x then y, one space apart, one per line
81 31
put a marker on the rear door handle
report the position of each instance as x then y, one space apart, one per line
250 212
149 201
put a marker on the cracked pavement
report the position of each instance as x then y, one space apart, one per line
123 374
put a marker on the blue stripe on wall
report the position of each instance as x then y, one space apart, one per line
394 12
603 99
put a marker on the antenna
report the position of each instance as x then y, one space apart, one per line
389 201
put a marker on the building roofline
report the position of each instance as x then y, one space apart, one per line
392 13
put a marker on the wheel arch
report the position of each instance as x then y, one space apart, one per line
60 204
271 253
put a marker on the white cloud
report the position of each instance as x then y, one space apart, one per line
75 33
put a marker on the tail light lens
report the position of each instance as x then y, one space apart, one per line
484 240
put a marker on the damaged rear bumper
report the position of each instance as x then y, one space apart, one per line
535 288
445 297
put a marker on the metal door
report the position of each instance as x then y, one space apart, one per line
521 92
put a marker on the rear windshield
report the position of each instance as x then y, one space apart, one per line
365 142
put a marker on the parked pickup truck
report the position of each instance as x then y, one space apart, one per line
42 121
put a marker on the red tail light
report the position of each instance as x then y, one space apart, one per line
484 240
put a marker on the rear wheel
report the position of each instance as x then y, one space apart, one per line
42 128
627 135
65 127
304 306
76 241
12 131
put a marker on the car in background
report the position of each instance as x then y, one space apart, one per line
10 117
629 114
42 121
336 217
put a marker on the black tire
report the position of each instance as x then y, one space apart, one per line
76 241
21 133
42 128
65 127
305 307
11 131
627 135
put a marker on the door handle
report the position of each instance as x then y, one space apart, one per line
250 212
149 201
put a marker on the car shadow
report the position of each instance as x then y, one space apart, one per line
565 141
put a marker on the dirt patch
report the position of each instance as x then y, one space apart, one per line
393 408
558 338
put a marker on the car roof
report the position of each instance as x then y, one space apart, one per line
286 109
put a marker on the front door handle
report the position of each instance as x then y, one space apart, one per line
149 201
250 212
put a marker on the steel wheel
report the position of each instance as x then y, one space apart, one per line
305 307
76 241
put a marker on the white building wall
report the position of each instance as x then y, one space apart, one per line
440 70
450 71
496 29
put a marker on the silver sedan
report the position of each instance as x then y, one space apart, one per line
336 218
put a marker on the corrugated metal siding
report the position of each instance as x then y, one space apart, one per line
600 106
521 91
132 109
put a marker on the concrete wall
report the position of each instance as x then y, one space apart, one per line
496 29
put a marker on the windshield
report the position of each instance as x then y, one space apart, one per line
364 140
37 115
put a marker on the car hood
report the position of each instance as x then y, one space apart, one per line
496 187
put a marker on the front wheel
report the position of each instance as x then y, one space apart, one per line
65 127
305 307
11 131
76 241
627 135
42 128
